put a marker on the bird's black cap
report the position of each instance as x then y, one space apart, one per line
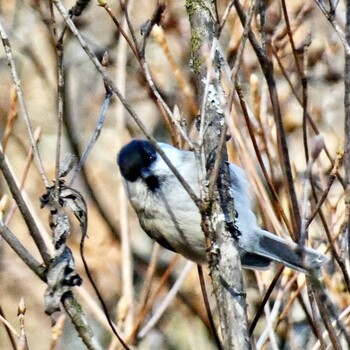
134 157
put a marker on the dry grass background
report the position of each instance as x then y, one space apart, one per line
184 324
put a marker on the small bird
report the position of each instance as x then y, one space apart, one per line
168 214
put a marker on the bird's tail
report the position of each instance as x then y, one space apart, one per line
289 254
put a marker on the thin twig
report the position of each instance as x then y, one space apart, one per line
218 159
27 216
72 136
93 138
22 252
123 6
147 284
332 177
131 44
320 341
239 56
95 309
303 76
22 341
128 297
316 324
207 307
224 17
16 80
159 36
162 103
291 40
167 300
265 300
99 295
309 318
23 179
76 314
57 331
10 330
309 117
317 147
336 26
60 108
324 312
340 261
207 85
11 118
272 317
259 98
259 156
152 299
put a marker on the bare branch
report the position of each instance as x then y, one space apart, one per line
16 80
78 318
331 18
22 252
27 216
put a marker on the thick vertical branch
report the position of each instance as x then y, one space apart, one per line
218 219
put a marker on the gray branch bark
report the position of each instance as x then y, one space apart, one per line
218 215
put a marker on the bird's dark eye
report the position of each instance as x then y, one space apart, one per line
152 157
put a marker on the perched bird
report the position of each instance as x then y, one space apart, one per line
169 216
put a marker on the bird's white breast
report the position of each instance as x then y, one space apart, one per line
169 211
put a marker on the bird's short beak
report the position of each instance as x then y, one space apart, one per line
145 173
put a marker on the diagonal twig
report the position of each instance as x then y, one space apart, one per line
16 80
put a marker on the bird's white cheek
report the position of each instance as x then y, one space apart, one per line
138 195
